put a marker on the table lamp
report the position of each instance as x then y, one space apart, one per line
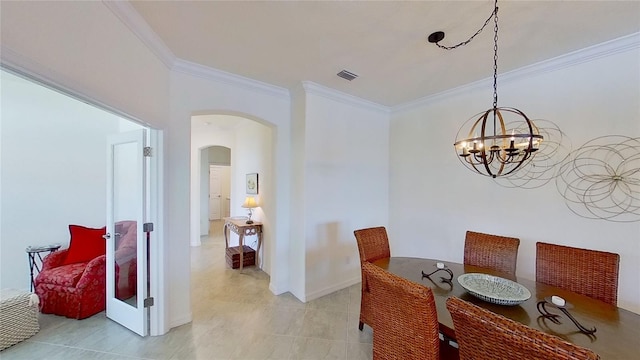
250 203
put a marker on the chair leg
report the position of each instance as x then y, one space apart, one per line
360 325
447 350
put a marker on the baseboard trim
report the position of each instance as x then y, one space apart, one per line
326 291
277 289
181 320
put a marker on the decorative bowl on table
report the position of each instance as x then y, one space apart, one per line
494 289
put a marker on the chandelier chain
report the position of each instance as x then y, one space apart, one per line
495 57
512 144
495 66
494 13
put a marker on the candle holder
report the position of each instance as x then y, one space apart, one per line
564 308
443 284
441 267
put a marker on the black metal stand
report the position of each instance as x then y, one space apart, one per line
35 259
442 279
554 317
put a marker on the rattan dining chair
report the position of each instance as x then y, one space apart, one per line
405 320
484 335
588 272
373 244
499 253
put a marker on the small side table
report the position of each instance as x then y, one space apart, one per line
240 227
35 259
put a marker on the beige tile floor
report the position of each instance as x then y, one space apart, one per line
235 316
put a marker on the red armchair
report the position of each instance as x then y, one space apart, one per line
73 290
77 290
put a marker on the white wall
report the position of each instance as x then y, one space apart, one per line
226 189
346 182
253 154
296 257
435 199
204 192
53 171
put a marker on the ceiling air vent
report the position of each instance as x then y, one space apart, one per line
347 75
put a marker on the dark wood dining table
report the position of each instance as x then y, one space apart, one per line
617 333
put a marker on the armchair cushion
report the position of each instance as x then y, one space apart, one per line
67 275
86 244
54 259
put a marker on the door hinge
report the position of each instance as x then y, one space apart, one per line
147 227
148 302
146 151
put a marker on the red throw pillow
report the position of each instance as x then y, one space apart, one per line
86 244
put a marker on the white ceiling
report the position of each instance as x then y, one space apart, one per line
384 42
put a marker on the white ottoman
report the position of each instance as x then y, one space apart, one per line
18 316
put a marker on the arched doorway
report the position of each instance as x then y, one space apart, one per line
250 145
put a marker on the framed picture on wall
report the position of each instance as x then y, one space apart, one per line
252 183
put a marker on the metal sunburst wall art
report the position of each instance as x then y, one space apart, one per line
542 168
601 179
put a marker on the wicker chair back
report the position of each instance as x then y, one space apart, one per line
499 253
373 244
405 321
588 272
484 335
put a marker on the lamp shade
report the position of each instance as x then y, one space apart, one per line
250 202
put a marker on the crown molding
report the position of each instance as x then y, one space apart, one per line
22 66
317 89
134 21
598 51
209 73
18 63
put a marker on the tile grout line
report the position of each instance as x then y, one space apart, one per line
86 349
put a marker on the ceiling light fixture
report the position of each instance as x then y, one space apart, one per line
500 140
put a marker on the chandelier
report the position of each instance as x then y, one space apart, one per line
501 140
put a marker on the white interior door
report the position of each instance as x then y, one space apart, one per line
215 193
126 241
